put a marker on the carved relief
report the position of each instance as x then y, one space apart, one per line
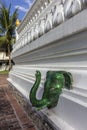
55 82
32 34
36 31
61 10
25 39
28 37
84 3
22 40
67 8
42 27
48 24
76 7
58 16
71 7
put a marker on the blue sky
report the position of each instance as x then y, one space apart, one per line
22 5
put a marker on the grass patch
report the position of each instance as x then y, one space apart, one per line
4 72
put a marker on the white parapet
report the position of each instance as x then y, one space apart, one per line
61 45
44 16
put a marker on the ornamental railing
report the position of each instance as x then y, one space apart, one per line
45 15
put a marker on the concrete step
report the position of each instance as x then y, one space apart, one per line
73 111
82 90
57 123
81 95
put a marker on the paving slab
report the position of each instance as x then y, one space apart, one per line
12 115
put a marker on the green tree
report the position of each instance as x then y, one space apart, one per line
7 27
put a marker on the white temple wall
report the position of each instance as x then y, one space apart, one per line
63 47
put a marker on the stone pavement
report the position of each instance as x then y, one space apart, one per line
12 115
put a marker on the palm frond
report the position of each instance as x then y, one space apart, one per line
2 40
7 24
1 30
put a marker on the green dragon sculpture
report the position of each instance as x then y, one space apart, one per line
55 81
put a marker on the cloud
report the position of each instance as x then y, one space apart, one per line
29 2
21 8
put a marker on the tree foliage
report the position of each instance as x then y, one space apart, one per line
7 27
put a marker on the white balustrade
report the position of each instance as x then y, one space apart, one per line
37 24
